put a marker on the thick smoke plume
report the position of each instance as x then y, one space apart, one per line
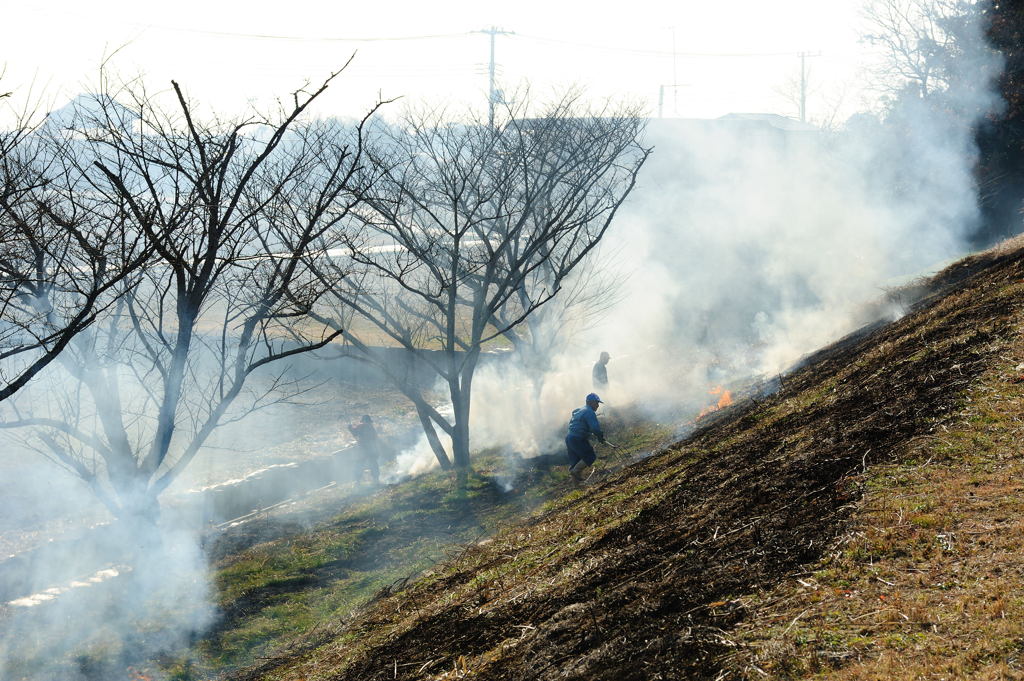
753 240
749 242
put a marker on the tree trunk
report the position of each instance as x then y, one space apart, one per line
461 388
432 438
188 312
138 502
460 435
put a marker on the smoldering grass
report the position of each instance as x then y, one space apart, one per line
272 595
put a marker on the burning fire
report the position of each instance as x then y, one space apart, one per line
724 400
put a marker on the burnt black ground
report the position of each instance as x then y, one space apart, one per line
742 503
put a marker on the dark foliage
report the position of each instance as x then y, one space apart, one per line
1001 137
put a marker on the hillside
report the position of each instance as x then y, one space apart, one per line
861 522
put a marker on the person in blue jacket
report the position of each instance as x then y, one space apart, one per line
582 424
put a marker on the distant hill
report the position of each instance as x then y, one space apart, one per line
88 106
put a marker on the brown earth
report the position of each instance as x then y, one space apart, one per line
647 573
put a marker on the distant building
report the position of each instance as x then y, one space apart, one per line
784 123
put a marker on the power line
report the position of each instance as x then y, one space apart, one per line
654 53
260 36
438 36
441 36
323 39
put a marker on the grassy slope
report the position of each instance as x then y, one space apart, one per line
926 582
299 580
829 529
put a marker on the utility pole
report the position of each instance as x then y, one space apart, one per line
803 84
661 96
675 76
803 87
493 95
675 85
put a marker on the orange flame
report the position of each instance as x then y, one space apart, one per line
724 400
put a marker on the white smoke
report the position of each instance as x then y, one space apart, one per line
82 620
752 240
748 243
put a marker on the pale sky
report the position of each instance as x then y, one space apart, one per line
725 57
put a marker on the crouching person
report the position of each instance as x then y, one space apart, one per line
582 424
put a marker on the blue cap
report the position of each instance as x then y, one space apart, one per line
592 397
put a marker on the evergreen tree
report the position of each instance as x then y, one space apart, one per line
1001 137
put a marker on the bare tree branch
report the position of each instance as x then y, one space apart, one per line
227 214
470 229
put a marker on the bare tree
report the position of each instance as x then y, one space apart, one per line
62 257
471 229
917 39
229 209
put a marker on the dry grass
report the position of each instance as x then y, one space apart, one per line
862 523
928 582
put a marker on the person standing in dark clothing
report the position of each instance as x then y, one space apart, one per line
582 424
368 444
600 372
